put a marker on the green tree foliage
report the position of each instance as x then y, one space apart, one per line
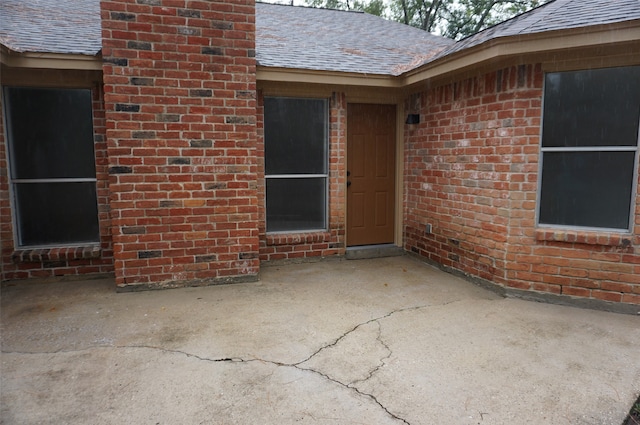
373 7
426 15
468 17
452 18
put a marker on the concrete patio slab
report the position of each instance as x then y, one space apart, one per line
382 341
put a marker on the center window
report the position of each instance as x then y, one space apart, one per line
296 171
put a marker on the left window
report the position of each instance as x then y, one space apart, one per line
51 165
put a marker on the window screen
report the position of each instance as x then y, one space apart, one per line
589 148
60 213
296 149
52 163
295 134
296 203
51 132
591 189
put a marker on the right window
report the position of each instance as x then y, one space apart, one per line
589 148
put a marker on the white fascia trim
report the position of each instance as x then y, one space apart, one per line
50 60
290 75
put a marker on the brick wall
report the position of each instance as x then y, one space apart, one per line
19 263
312 245
180 107
472 172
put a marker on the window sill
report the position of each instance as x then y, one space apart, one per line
583 237
38 255
297 238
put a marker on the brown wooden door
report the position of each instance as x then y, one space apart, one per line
371 149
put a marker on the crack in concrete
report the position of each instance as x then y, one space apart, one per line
351 385
168 350
280 364
355 389
60 351
355 328
148 347
382 359
298 365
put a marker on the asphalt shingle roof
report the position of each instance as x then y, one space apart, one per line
552 16
306 38
334 40
51 26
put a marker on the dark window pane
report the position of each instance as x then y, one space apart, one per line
55 213
51 132
598 107
590 189
295 133
296 204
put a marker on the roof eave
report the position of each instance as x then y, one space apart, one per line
293 75
15 59
543 42
498 48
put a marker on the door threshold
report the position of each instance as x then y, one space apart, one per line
373 251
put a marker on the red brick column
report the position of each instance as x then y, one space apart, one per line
180 84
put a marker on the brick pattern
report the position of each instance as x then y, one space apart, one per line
472 172
180 107
301 246
59 261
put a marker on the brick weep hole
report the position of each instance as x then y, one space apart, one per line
180 92
472 172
